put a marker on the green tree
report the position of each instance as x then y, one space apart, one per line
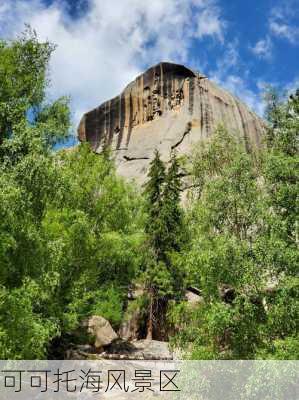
165 222
23 77
280 167
172 213
154 202
70 230
234 246
165 230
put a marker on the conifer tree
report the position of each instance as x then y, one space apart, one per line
165 229
172 211
165 225
154 196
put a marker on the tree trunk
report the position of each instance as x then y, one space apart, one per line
149 335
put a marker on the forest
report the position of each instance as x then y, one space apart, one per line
74 236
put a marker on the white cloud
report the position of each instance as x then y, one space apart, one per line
281 24
230 58
210 23
228 75
292 86
235 84
99 53
285 31
263 48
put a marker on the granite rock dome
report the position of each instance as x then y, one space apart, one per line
167 107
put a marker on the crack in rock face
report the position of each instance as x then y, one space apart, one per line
127 158
187 131
168 107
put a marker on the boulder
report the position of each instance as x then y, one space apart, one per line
138 350
153 350
101 330
122 350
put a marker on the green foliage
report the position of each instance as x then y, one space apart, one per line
24 331
165 224
165 219
23 68
281 349
70 230
172 213
155 227
80 261
280 168
243 230
106 301
166 233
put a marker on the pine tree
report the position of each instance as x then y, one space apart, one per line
165 225
172 211
154 203
165 230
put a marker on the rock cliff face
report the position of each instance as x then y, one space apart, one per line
168 107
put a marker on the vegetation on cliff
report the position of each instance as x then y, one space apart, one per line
244 242
74 236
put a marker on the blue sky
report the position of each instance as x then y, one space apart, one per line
103 44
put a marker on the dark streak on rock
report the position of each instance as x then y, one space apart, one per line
201 109
247 146
122 108
191 95
187 131
130 120
127 158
